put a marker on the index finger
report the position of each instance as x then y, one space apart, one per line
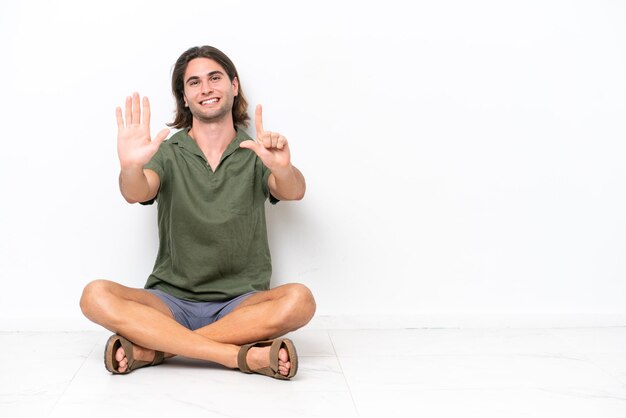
258 120
146 112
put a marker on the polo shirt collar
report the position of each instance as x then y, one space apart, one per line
234 145
183 140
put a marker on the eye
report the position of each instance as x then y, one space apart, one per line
216 78
193 82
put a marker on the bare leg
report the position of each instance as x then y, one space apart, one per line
139 316
144 319
264 315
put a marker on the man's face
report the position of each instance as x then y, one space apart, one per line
208 92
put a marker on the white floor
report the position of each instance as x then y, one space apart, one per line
504 373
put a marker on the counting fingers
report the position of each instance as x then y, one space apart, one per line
268 139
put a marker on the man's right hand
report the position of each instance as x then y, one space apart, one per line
134 146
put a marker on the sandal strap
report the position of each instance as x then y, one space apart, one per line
241 358
272 369
158 358
116 341
128 350
134 364
274 349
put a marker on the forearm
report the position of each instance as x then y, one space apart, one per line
134 185
287 183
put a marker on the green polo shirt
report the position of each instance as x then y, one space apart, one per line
212 231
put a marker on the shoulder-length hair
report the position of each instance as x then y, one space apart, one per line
183 117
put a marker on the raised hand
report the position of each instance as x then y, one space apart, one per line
271 147
134 145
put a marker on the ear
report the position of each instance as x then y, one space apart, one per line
235 86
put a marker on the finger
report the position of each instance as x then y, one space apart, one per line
128 110
136 109
120 119
266 139
258 120
146 112
282 141
274 136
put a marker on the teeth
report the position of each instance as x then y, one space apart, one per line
209 101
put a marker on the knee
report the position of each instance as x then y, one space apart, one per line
94 298
299 305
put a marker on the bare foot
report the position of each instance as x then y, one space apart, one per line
139 353
259 357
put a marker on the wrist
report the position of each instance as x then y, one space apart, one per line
285 171
128 167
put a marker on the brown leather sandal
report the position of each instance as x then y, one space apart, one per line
116 341
272 369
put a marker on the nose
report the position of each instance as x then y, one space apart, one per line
206 87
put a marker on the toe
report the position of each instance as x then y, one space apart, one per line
120 354
283 355
284 367
122 365
284 370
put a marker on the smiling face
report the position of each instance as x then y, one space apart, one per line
208 91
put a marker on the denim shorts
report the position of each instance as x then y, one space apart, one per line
194 315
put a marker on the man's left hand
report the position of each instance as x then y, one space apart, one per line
271 147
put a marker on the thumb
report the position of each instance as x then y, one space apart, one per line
160 137
249 144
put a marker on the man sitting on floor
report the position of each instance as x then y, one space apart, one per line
208 296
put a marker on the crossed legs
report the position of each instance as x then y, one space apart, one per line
145 320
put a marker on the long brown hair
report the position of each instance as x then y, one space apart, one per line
183 116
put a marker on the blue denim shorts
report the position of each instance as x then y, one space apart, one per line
194 315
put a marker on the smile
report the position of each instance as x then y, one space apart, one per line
209 101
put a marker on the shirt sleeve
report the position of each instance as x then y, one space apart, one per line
156 165
266 187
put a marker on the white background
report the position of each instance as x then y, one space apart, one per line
463 159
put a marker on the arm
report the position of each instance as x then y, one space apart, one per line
135 149
285 182
138 185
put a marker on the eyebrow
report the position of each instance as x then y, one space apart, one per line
195 77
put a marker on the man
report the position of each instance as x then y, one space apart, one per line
208 296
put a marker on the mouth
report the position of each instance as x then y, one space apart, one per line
210 101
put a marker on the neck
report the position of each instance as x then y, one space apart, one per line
214 136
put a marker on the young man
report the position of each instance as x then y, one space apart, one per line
208 296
